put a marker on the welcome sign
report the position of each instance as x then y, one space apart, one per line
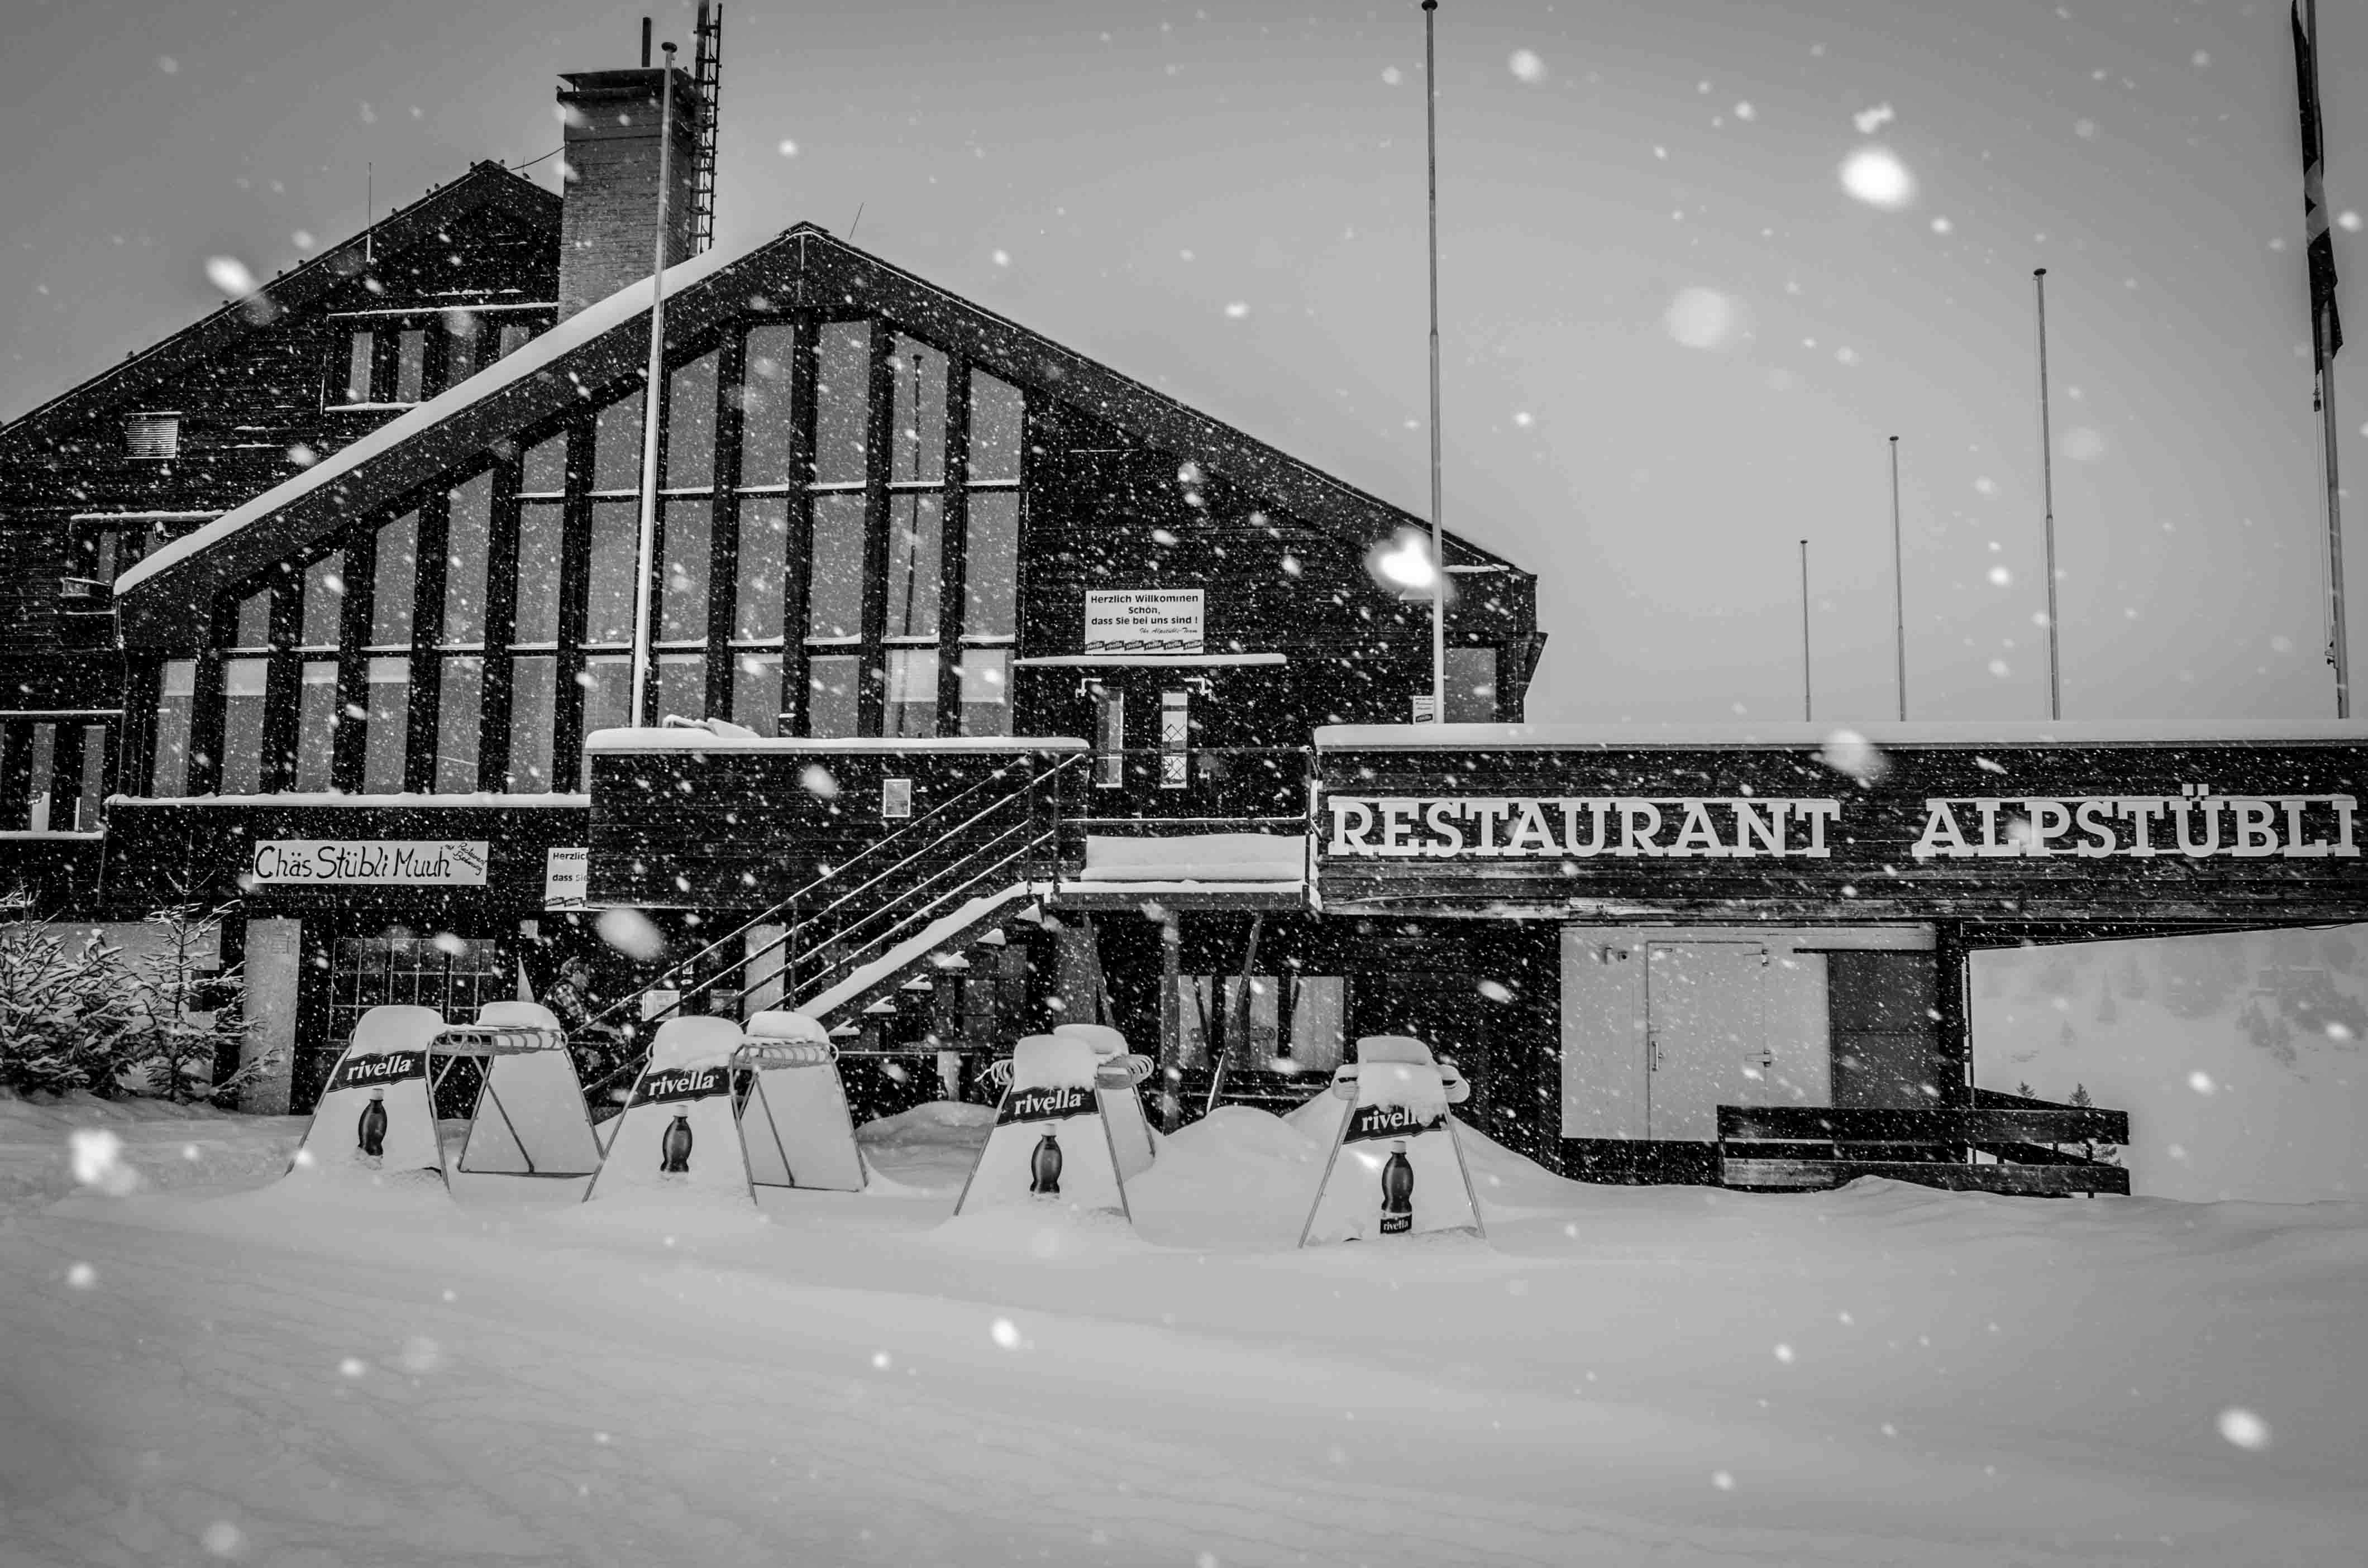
376 862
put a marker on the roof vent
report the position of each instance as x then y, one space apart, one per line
151 435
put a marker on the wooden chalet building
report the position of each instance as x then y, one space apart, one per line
984 687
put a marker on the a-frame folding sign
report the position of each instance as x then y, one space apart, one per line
376 1116
794 1126
1118 1084
678 1134
1396 1167
529 1119
1050 1145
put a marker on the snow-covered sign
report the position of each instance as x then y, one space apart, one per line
1396 1168
1138 620
1050 1145
366 862
530 1117
794 1126
373 1116
567 878
678 1134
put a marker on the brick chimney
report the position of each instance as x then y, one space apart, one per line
608 220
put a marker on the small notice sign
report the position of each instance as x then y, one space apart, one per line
1146 620
372 862
567 879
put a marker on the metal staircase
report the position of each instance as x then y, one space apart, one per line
859 931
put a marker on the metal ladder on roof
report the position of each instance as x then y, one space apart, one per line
707 72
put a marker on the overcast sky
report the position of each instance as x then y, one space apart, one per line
1675 339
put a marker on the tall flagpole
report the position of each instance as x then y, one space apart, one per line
1898 585
1805 712
2322 334
647 544
2047 492
1438 529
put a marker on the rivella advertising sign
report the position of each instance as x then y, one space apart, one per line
2101 832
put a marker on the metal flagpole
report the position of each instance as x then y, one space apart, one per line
1805 712
1898 584
647 544
2338 645
2048 492
1438 533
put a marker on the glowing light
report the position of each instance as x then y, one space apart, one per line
1877 177
1407 562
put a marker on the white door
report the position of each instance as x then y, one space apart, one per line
1602 1035
1705 1034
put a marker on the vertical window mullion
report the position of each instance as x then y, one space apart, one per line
575 585
951 555
206 701
426 631
879 439
353 664
724 528
501 615
798 552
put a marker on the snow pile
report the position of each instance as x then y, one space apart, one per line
1883 1374
51 1148
928 1149
1196 857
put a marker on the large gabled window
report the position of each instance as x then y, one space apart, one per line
837 552
393 358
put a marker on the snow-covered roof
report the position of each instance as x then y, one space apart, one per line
1147 661
685 739
629 303
1794 734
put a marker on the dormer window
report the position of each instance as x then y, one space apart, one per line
155 437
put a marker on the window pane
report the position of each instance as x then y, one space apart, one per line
617 446
917 373
764 552
324 601
460 714
911 693
534 690
515 337
386 734
40 769
607 682
690 426
765 406
609 607
831 697
359 347
682 604
1471 685
411 365
254 620
842 400
991 565
538 574
93 777
682 686
394 588
835 593
169 776
985 691
466 337
916 528
544 471
242 686
757 692
464 563
996 421
316 724
1319 1021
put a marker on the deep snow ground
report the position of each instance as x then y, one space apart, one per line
1675 1375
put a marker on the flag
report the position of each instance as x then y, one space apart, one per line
2326 326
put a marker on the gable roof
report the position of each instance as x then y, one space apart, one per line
486 185
802 268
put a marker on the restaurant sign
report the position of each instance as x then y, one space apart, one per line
366 862
2196 825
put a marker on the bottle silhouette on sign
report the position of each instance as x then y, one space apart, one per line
674 1149
1397 1191
1044 1166
370 1131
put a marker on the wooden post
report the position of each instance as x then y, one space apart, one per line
1171 1020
